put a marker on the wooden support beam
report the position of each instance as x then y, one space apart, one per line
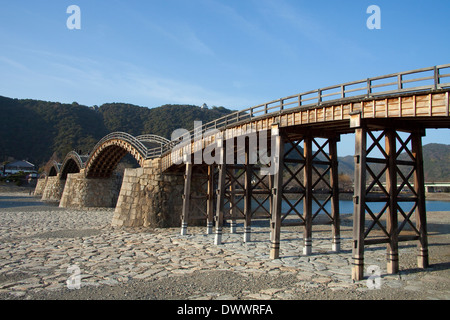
247 196
336 233
307 201
271 182
277 195
186 199
391 211
359 204
419 186
232 207
220 193
210 200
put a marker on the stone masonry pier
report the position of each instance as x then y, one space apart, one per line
149 197
80 192
40 186
53 189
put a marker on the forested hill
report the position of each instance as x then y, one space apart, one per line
34 129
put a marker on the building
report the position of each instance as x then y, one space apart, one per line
17 166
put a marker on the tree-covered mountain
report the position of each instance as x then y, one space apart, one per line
35 130
436 161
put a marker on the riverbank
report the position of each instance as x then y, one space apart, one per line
39 242
429 196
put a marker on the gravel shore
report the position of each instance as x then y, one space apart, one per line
39 243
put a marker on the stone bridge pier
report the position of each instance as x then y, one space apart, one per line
53 189
40 186
149 197
81 192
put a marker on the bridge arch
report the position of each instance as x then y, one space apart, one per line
54 169
73 163
108 152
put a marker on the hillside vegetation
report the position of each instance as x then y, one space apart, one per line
35 130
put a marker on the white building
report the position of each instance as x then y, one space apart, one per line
17 166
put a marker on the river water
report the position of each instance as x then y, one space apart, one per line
346 206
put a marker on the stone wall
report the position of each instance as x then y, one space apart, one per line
81 192
40 186
53 189
149 197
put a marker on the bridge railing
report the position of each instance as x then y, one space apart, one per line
432 78
155 152
152 138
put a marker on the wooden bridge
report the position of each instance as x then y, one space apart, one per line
247 164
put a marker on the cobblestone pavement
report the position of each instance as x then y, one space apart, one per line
38 243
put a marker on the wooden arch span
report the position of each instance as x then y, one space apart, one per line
54 169
73 163
108 152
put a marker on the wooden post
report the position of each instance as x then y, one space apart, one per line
232 208
277 195
220 193
391 211
419 186
336 228
186 199
307 202
271 177
359 204
247 196
210 201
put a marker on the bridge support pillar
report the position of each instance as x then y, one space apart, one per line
210 201
53 189
389 189
277 195
307 201
198 196
420 212
248 170
220 196
149 198
82 192
334 181
40 187
359 204
186 199
306 181
233 208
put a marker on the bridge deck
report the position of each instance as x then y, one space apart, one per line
428 109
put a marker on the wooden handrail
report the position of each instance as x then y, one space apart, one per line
343 93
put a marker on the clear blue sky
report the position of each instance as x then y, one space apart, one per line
233 53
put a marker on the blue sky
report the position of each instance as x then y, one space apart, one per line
233 53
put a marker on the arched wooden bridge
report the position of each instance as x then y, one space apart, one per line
278 161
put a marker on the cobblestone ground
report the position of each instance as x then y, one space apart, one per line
39 243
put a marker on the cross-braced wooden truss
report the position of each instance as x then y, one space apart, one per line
241 190
389 196
389 201
308 182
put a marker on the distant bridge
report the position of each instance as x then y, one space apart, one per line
299 135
